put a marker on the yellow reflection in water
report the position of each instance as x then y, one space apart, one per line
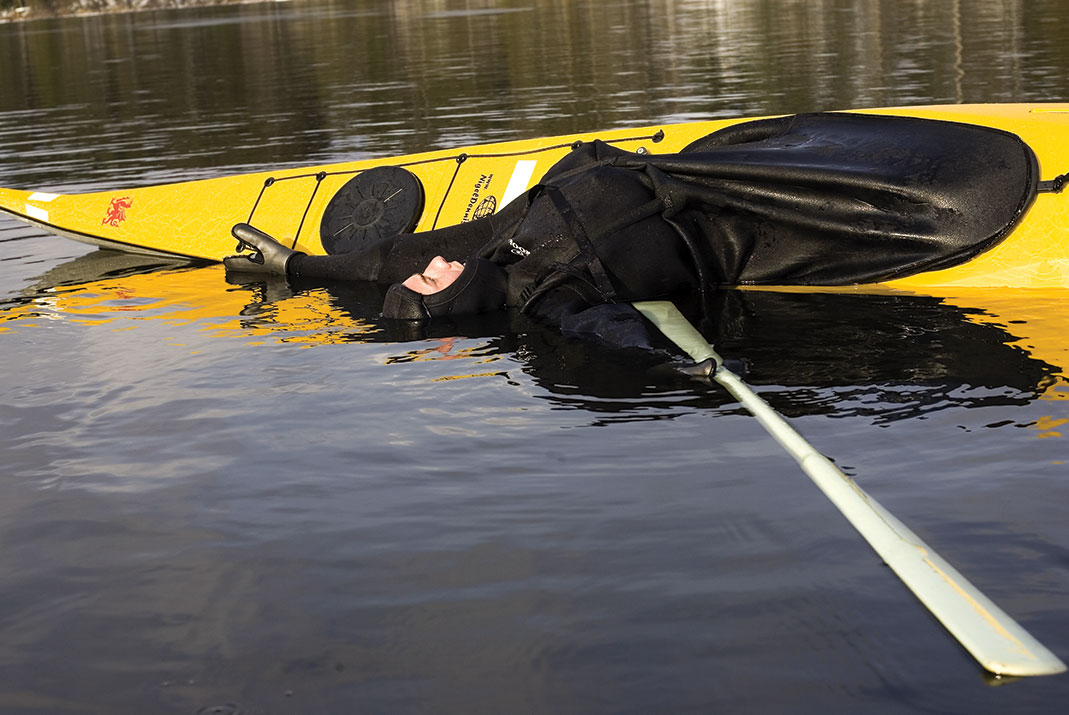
1037 319
181 296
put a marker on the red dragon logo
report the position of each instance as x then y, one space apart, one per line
117 211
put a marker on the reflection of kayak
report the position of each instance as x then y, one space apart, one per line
970 347
329 209
918 334
111 288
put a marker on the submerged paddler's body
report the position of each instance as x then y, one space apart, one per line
825 199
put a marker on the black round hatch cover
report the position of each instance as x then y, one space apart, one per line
376 203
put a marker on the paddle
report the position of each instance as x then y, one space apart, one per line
997 642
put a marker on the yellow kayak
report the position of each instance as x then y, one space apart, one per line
314 209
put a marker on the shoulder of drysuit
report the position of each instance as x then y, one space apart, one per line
585 155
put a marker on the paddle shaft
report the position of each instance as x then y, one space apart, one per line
993 638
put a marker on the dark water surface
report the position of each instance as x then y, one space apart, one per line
221 497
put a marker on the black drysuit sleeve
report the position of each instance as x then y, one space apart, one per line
393 259
614 325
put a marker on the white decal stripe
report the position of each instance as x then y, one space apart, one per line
521 177
42 196
36 213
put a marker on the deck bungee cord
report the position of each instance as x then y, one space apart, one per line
417 207
997 642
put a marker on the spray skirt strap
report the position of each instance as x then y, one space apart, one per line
582 240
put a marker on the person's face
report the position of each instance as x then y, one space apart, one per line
438 275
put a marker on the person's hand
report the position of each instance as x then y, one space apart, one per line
268 256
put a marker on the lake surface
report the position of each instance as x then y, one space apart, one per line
224 497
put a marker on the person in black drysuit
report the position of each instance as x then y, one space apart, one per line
819 199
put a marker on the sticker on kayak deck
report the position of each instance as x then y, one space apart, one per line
486 207
117 211
36 212
521 177
480 186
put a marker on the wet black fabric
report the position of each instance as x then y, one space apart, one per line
819 199
833 199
